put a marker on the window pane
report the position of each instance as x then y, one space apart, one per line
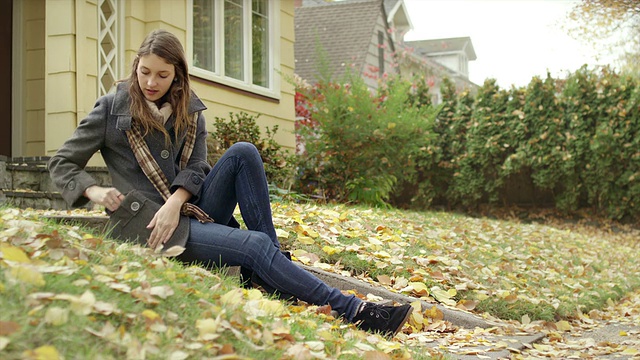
260 42
203 34
233 39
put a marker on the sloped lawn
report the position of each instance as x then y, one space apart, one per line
69 293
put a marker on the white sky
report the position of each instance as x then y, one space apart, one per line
514 40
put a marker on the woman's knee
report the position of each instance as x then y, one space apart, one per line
259 246
244 149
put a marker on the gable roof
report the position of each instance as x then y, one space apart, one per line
342 30
397 14
441 46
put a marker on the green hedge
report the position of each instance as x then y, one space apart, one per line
572 143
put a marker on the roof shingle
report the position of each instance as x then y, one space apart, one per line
342 30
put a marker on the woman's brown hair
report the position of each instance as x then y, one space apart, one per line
167 46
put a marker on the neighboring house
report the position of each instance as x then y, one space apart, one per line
336 36
61 55
436 59
349 32
397 18
454 53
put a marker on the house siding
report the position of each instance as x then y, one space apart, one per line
60 73
372 58
33 87
220 101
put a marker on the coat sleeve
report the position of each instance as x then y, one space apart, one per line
66 167
192 176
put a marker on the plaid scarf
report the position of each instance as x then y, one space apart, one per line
151 168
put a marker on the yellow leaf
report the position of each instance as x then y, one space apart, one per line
27 275
81 305
468 304
417 320
525 319
563 325
542 347
444 296
208 328
56 316
419 288
434 313
13 253
4 341
623 333
481 296
163 291
391 125
178 355
150 314
272 307
305 240
382 254
84 304
174 251
381 265
254 294
630 351
46 352
282 234
233 297
329 250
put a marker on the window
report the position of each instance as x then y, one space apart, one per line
234 42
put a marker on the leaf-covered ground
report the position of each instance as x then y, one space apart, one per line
563 280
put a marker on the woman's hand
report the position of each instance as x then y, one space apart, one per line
164 223
166 220
109 197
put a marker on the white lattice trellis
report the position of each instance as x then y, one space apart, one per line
108 64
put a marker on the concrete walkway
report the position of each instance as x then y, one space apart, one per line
458 318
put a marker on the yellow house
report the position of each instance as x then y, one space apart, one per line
66 53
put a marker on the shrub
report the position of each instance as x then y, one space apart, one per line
477 177
279 165
358 146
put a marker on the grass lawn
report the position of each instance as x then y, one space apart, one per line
65 292
507 269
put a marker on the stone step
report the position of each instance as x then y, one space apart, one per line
25 183
35 176
37 200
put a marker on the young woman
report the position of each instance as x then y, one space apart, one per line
157 100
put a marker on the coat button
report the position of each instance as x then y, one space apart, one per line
135 206
195 179
71 185
164 154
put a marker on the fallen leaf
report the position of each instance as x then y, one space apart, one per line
12 253
46 352
4 341
375 355
8 327
563 325
56 316
173 251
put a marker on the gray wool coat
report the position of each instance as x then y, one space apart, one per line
104 130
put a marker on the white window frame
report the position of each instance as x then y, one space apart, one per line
218 76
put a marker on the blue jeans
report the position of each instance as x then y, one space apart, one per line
239 178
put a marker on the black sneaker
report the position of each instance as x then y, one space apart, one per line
387 320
